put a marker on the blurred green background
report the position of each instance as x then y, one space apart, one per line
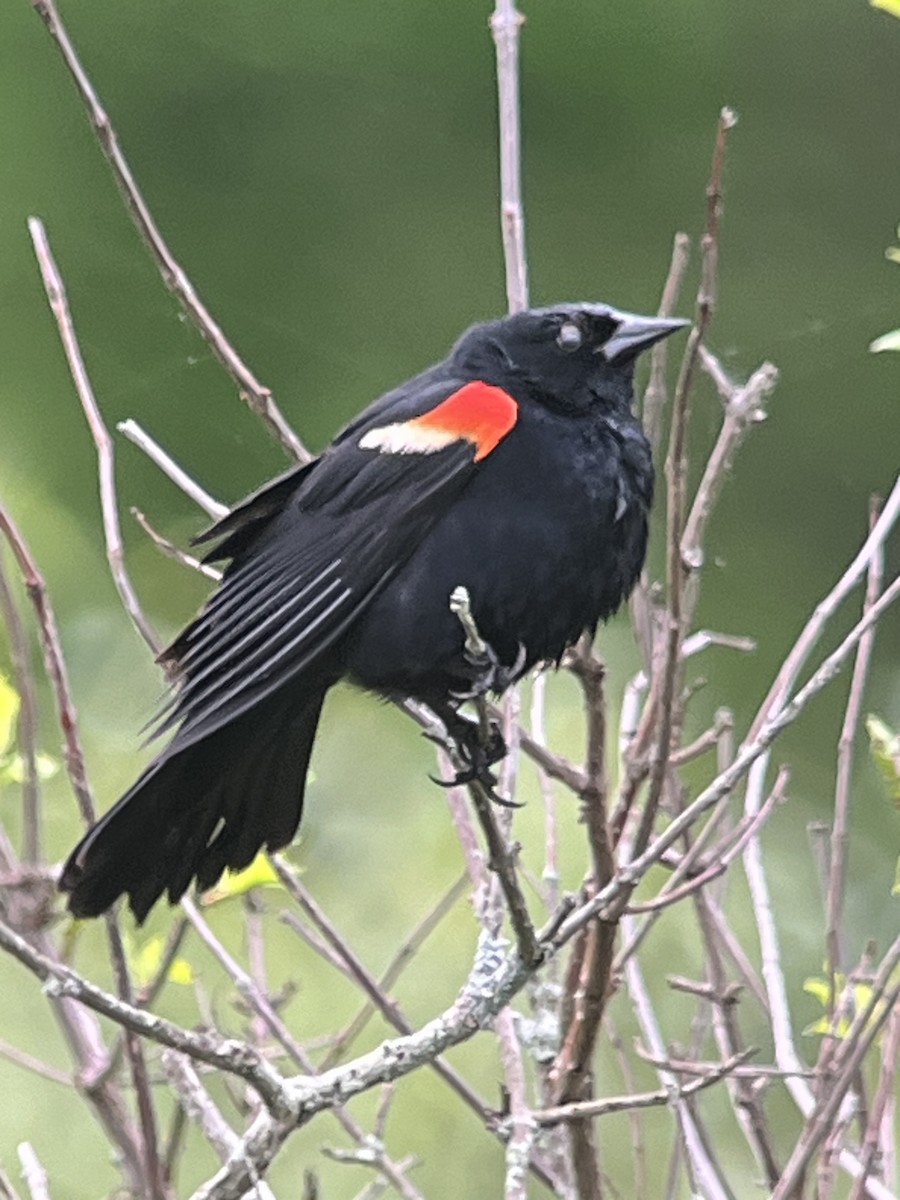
327 175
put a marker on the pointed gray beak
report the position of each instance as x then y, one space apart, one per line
636 334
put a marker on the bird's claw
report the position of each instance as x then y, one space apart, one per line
488 673
478 754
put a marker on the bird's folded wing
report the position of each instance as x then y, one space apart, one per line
313 570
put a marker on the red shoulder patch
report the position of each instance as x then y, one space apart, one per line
479 412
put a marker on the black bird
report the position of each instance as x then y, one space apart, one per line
514 467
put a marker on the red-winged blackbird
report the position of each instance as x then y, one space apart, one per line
514 467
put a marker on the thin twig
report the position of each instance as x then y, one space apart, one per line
198 1103
54 663
395 968
751 751
865 1028
231 1056
605 1105
656 393
33 1173
501 861
743 409
506 23
26 724
59 305
827 607
375 990
880 1103
172 551
170 468
257 396
35 1065
137 1063
834 898
702 1166
7 1191
666 684
82 1037
522 1127
570 1076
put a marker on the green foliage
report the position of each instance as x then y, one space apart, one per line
260 873
145 959
12 766
884 745
9 711
849 999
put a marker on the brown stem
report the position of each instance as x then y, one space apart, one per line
257 396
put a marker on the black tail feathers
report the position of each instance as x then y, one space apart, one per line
199 809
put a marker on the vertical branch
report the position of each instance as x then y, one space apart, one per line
506 21
137 1063
54 664
879 1118
26 731
665 685
656 393
588 986
834 900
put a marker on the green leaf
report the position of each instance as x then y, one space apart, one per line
884 745
260 873
146 959
895 890
9 711
819 989
888 6
847 1004
887 341
13 769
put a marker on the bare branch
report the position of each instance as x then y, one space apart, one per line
231 1056
834 899
605 1105
212 507
56 295
501 861
506 23
657 393
745 406
392 972
258 397
198 1104
54 663
26 726
751 751
33 1173
676 469
880 1104
826 608
172 551
35 1065
865 1028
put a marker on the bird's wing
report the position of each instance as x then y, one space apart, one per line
313 549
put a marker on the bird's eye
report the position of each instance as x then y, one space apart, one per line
569 337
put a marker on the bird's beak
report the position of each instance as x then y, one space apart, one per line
636 334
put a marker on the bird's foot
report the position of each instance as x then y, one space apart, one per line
487 673
478 748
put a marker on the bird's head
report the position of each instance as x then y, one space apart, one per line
566 356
